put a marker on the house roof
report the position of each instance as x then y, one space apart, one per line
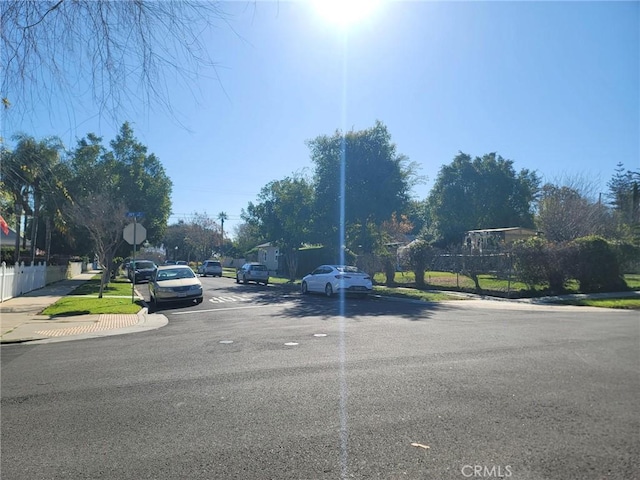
10 240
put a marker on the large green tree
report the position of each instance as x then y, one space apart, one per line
198 239
483 192
246 236
134 181
624 197
284 216
30 176
360 180
142 182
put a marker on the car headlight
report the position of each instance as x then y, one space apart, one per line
196 288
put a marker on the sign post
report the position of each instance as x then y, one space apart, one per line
134 234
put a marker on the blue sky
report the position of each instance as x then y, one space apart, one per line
553 86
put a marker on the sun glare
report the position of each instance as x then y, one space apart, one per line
345 12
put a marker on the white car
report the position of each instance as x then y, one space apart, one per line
211 267
330 279
252 272
175 283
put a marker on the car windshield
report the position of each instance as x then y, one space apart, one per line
174 274
145 265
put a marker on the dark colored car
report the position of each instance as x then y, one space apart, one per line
141 271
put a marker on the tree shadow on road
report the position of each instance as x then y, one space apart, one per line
352 307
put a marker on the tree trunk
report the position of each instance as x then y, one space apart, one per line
16 253
47 245
390 272
34 228
419 273
292 263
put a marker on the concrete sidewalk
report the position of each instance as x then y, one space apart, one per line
21 320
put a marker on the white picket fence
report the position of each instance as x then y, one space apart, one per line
18 279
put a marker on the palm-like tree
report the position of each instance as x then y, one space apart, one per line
222 216
30 176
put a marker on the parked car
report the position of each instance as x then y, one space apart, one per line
253 272
173 283
210 267
141 270
330 279
182 262
170 262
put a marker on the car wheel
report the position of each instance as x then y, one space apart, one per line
266 282
244 279
237 279
328 290
199 301
305 288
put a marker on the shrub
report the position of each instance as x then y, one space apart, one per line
596 266
419 254
540 262
530 258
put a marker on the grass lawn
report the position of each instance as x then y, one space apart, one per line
622 303
458 282
83 300
492 285
69 306
119 286
633 281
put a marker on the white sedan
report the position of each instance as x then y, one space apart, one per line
330 279
173 283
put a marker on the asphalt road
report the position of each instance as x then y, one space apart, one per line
253 384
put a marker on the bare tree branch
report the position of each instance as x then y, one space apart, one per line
123 53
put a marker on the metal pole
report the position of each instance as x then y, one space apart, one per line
133 281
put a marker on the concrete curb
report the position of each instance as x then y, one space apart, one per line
146 322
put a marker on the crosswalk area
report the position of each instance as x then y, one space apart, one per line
230 298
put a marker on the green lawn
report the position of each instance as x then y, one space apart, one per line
69 306
83 300
633 281
119 286
492 285
622 303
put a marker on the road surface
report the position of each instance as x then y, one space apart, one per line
257 384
